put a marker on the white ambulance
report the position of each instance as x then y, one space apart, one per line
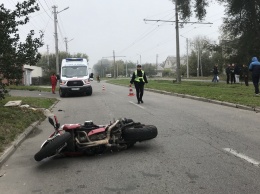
75 77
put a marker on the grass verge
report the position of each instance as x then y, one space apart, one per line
14 120
233 93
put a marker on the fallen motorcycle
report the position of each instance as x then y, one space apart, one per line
91 139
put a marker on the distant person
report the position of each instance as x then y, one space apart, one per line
228 73
244 74
139 79
53 82
98 78
232 73
215 72
237 73
254 67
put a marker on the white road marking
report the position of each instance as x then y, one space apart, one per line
137 105
243 156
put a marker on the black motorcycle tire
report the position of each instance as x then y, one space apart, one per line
139 133
51 147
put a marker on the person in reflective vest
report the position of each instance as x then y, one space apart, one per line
139 79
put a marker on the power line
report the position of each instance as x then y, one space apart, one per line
47 5
44 9
144 35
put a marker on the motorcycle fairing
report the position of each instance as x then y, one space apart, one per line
95 131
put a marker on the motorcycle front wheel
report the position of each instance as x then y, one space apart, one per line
51 148
139 133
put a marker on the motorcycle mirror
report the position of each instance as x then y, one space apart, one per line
51 121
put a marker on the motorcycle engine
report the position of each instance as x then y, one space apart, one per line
98 136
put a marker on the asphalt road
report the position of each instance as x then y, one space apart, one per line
200 148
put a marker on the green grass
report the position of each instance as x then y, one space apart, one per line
14 120
30 88
233 93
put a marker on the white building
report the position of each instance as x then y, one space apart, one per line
170 63
30 72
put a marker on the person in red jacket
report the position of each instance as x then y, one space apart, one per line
53 82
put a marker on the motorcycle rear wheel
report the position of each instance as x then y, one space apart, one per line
139 133
51 148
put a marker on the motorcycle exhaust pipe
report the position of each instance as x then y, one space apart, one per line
100 142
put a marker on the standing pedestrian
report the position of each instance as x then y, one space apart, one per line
244 74
139 79
53 82
255 68
237 73
232 74
98 78
215 72
228 73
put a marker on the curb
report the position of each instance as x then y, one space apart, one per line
255 109
207 100
14 145
17 142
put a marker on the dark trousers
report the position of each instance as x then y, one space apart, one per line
228 78
245 78
139 87
255 78
233 79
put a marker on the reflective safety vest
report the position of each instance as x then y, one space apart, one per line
137 79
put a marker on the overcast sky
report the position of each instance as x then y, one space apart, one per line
97 27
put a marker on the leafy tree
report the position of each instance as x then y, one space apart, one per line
149 69
241 27
185 8
103 67
193 61
13 53
107 67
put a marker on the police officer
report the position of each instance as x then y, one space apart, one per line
139 79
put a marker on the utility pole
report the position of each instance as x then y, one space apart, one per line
198 64
56 37
125 68
56 40
201 72
101 68
187 50
156 61
177 43
66 43
48 57
187 42
177 22
114 59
